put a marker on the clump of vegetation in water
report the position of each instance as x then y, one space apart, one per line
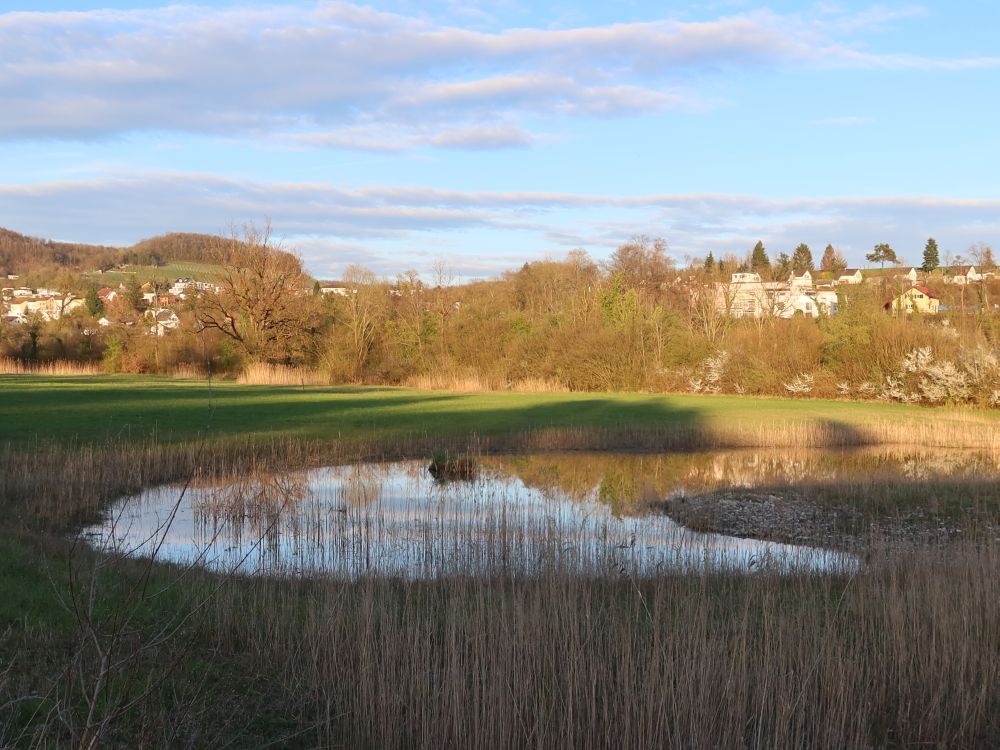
446 467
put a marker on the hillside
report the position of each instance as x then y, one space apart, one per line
21 254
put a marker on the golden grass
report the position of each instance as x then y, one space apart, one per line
59 368
261 373
472 382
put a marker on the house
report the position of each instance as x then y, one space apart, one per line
182 288
163 320
341 291
790 304
911 276
850 276
747 296
107 295
827 301
961 275
744 296
48 308
915 299
803 282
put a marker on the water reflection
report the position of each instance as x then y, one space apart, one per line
628 481
520 515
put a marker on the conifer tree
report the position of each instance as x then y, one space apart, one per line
802 259
758 258
931 258
95 306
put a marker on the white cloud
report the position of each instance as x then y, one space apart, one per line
324 71
394 228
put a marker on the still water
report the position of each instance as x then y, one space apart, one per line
580 512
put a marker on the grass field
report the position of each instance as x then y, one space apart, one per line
168 271
97 408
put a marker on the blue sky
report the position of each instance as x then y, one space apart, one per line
397 134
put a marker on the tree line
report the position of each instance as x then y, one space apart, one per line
634 322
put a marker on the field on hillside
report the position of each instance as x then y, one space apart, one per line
102 407
168 271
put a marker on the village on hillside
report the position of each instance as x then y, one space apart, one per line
110 305
746 294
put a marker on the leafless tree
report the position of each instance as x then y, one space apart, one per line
262 301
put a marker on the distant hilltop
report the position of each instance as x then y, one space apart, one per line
21 254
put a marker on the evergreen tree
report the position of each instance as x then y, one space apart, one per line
783 265
758 258
931 258
709 261
133 292
802 259
95 306
832 260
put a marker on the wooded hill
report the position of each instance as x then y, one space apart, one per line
20 254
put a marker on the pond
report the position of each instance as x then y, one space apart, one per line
582 512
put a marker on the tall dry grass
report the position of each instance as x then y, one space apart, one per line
903 654
473 382
60 368
262 373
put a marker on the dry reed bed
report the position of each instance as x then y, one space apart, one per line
473 382
58 368
261 373
903 655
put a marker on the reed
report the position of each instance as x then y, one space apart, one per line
903 654
473 382
58 368
262 373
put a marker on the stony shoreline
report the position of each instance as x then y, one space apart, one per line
790 517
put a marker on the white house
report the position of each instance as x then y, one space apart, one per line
163 320
48 308
795 302
962 275
744 296
341 291
803 282
851 276
827 301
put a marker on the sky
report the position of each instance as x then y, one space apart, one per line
401 134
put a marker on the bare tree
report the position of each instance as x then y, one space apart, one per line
365 307
262 301
642 263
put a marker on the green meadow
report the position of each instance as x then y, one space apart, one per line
100 408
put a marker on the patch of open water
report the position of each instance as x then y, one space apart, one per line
519 515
